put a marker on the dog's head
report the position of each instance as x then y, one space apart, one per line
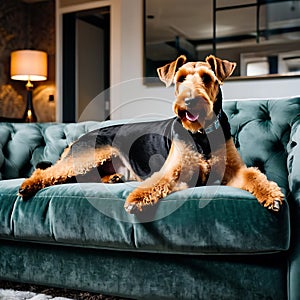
196 88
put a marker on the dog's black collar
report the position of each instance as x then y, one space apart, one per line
212 127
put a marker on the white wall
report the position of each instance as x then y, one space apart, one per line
130 97
262 88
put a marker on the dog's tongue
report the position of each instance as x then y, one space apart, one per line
191 117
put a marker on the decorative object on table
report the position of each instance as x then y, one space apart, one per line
29 65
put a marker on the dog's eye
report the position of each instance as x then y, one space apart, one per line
181 78
206 78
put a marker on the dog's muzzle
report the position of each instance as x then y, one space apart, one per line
195 107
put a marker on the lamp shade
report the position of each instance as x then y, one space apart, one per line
28 65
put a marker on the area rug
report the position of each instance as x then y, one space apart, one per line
23 291
22 295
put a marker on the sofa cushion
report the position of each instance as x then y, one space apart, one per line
202 220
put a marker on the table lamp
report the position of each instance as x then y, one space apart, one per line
28 65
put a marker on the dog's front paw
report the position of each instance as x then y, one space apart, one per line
27 189
32 185
274 199
275 206
138 200
133 208
273 203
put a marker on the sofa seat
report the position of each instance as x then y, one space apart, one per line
202 220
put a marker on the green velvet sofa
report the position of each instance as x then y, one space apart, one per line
203 243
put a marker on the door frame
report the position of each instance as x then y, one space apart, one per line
65 110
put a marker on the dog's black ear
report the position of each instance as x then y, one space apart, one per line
166 73
222 68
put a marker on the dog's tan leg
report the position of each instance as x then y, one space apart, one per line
267 192
252 180
70 165
181 164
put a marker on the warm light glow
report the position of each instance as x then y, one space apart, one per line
28 65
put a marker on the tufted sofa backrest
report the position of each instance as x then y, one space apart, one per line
261 130
22 146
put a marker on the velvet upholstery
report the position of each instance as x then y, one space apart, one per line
294 183
200 222
203 243
147 275
261 131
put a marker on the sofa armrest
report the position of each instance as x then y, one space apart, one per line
293 162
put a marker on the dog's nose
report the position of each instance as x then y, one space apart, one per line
191 102
194 101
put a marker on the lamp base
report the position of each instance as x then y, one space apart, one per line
29 114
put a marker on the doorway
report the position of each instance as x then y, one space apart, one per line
86 65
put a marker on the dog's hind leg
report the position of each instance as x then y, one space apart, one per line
178 170
71 164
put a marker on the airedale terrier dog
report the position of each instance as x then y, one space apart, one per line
191 149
